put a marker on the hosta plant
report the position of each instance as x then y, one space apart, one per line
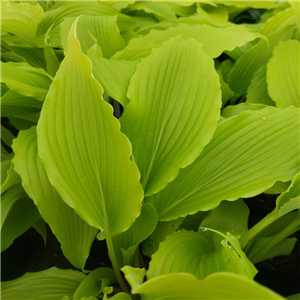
146 124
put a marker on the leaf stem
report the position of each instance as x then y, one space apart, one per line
113 259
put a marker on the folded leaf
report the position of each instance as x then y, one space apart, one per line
175 103
10 177
246 156
51 284
76 237
283 74
190 252
214 40
83 151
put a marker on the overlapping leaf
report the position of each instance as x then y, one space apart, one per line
20 19
51 284
170 119
246 156
186 286
283 74
214 40
83 151
190 252
75 236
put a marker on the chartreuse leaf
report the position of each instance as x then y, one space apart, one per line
169 120
190 252
21 215
258 90
77 8
228 216
75 236
240 75
119 296
233 110
20 19
13 104
10 177
52 63
162 230
82 149
278 188
50 284
114 76
192 222
273 240
245 4
25 79
186 286
246 156
127 242
283 74
40 227
214 40
6 136
94 283
91 28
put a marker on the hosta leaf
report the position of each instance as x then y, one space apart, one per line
83 151
13 104
25 79
186 286
6 137
91 28
228 216
8 200
169 119
114 76
190 252
75 236
278 188
119 296
246 156
214 40
76 8
233 110
245 4
10 177
138 232
20 19
21 216
283 74
94 283
259 54
258 90
51 284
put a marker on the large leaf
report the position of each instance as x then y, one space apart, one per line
175 104
190 252
20 19
186 286
51 284
214 40
25 79
246 156
8 178
86 157
283 74
75 236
